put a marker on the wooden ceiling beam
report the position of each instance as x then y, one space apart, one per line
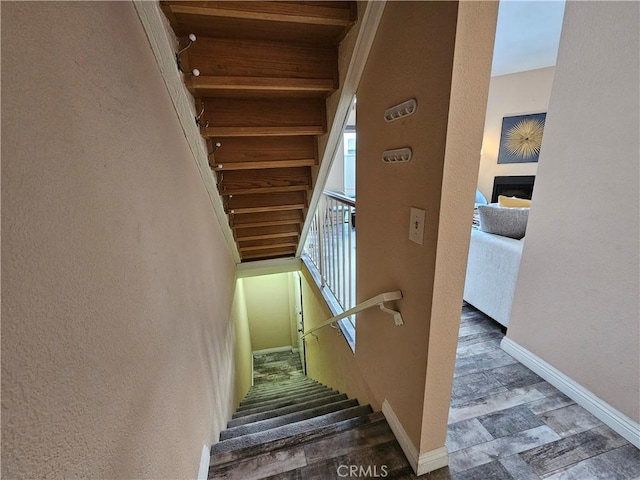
268 247
267 208
219 57
303 162
261 190
265 223
258 85
266 190
275 180
268 236
286 12
264 131
265 254
270 219
230 117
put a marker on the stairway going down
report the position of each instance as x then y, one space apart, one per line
291 427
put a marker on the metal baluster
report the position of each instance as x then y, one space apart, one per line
321 244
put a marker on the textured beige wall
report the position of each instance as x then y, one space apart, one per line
267 299
411 57
475 34
514 94
576 302
242 356
117 286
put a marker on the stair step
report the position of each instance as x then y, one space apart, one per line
385 460
260 358
261 387
286 419
283 403
231 458
285 200
256 417
264 398
292 429
278 388
302 456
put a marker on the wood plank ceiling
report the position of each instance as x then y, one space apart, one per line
265 71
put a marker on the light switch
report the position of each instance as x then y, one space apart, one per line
416 225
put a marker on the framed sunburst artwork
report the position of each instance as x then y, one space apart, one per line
521 138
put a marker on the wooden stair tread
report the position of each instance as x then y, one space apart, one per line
275 180
252 220
265 71
260 21
274 412
258 86
280 131
305 162
271 11
267 254
322 425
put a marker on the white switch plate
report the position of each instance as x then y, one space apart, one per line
416 225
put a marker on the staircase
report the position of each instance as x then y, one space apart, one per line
260 74
290 426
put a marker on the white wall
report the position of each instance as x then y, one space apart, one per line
515 94
335 180
576 302
242 355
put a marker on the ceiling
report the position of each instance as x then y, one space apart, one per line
260 74
527 35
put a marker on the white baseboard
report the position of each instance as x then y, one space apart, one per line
421 463
203 471
615 419
273 350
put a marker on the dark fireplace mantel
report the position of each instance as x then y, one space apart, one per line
520 186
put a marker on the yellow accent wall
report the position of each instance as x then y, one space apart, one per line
268 310
242 354
330 360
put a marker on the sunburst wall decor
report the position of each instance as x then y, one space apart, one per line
521 138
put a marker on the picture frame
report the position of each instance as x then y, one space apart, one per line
521 138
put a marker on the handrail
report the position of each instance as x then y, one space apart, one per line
377 301
340 197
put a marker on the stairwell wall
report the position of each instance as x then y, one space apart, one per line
434 52
242 355
268 309
117 343
411 57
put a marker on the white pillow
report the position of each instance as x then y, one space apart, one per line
508 222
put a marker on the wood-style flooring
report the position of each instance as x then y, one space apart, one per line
505 422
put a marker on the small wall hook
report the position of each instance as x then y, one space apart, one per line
216 145
195 72
199 116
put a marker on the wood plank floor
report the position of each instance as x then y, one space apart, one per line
506 422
